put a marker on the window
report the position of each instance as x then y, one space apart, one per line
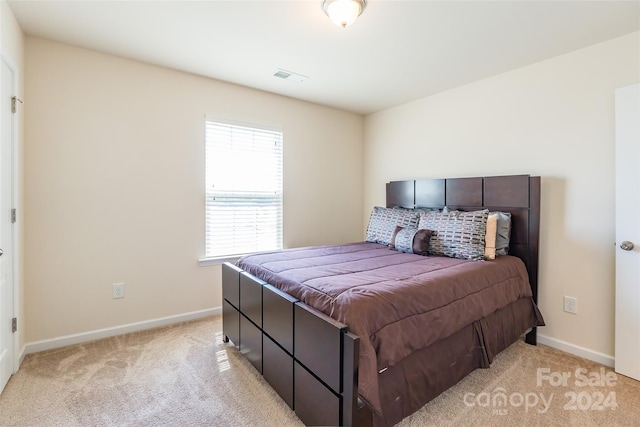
243 189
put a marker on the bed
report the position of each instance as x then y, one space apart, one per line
360 334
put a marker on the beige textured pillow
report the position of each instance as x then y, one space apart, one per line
490 237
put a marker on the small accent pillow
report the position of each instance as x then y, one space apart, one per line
383 222
410 240
490 236
456 234
503 235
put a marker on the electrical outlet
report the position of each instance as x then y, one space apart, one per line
571 305
118 290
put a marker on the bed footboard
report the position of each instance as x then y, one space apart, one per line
312 366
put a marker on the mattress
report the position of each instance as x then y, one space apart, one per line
397 303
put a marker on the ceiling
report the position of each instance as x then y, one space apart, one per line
396 52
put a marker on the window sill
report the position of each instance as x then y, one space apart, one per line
204 262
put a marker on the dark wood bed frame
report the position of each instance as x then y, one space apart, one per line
310 359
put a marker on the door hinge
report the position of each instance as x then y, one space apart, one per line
13 216
14 100
14 325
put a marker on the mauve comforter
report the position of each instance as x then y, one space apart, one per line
395 302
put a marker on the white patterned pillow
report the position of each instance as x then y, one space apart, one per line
383 222
456 234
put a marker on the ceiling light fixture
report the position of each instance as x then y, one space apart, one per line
343 12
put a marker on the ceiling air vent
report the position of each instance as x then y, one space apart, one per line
289 75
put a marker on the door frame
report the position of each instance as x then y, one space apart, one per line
15 203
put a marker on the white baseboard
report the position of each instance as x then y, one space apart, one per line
21 356
576 350
66 340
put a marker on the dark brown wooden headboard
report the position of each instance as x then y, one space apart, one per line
516 194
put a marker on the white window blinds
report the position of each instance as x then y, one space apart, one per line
244 189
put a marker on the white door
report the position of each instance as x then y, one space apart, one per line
6 236
627 356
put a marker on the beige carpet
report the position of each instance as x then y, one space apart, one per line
184 375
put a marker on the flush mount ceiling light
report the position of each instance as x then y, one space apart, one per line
343 12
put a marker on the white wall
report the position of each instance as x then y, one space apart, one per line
112 193
554 119
12 49
114 185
